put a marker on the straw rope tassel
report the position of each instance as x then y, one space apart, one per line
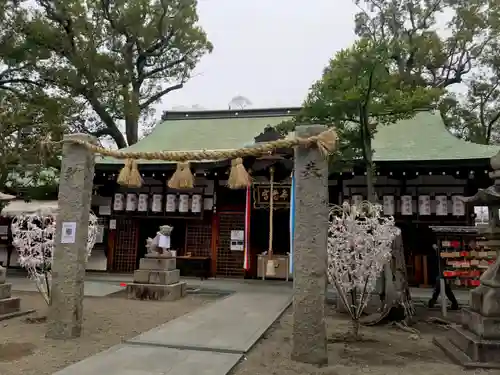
129 175
238 175
182 177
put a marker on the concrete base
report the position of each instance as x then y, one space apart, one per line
157 292
10 305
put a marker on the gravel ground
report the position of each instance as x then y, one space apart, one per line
383 351
24 350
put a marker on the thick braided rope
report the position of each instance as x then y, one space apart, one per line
324 141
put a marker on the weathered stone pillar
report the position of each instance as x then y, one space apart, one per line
309 254
68 268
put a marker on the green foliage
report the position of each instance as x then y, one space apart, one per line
115 57
425 52
475 114
27 118
359 90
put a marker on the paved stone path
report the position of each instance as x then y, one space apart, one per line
208 341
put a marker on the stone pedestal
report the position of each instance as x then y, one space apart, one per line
10 307
157 279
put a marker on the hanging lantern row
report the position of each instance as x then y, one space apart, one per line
441 204
404 173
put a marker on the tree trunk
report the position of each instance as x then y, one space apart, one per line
395 299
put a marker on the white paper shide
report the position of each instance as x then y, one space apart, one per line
183 203
388 204
131 202
196 202
424 205
118 202
157 203
142 205
441 205
171 203
457 205
406 205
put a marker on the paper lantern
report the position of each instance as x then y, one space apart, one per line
142 205
183 203
171 203
156 206
196 201
118 203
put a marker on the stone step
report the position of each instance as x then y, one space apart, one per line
5 291
156 277
161 264
10 305
477 349
156 292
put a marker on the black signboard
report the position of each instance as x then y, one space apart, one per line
281 196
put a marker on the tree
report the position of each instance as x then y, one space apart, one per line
475 114
116 57
26 119
423 55
360 89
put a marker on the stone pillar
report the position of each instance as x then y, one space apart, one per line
68 268
310 252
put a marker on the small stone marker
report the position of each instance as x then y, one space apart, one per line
310 253
68 268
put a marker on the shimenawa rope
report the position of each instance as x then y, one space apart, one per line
183 178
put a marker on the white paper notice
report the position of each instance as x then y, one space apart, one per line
237 235
68 232
112 224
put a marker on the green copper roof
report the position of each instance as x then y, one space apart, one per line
422 138
425 137
198 134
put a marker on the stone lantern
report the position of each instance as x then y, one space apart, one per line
476 342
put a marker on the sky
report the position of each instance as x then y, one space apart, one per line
269 51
